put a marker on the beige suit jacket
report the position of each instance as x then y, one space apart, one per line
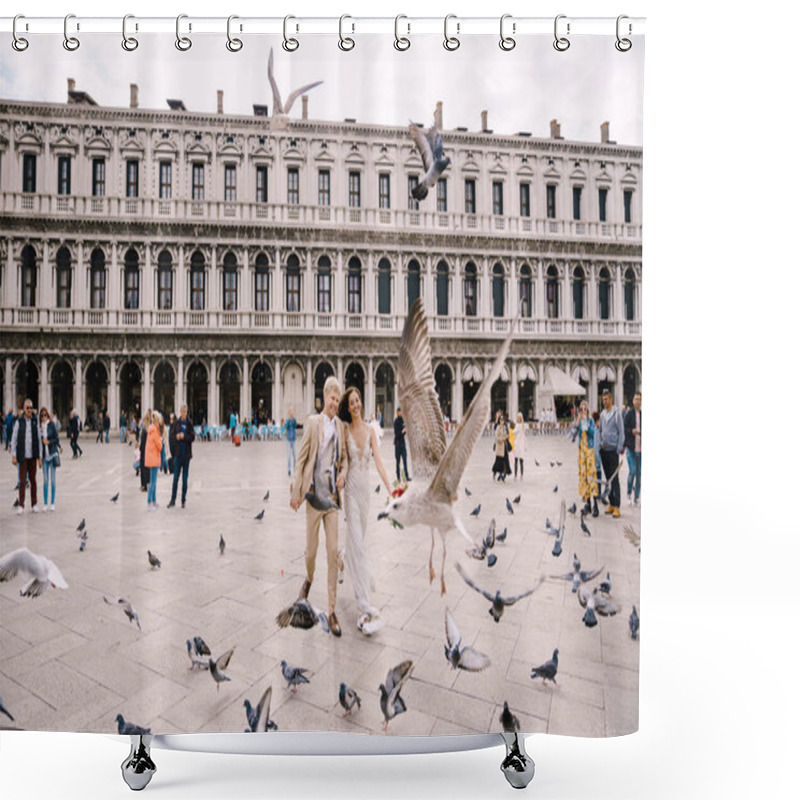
307 456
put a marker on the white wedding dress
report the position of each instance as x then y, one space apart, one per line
356 509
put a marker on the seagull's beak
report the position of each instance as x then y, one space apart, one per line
383 515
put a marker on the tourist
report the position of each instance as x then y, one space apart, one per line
400 445
519 447
181 436
291 440
154 455
74 432
51 458
26 449
588 473
612 443
633 448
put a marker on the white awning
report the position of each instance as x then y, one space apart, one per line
606 373
580 373
526 373
557 382
472 373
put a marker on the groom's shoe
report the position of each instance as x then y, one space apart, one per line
305 590
336 629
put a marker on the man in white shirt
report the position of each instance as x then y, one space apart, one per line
26 449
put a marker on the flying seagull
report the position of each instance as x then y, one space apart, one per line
44 573
508 720
129 729
548 670
348 698
278 108
301 614
391 702
130 611
438 467
593 602
294 676
218 666
633 624
259 713
578 576
459 657
498 602
431 146
155 563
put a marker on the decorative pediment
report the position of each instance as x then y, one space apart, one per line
165 147
105 248
552 173
260 146
525 170
131 140
230 144
294 148
412 159
21 244
28 134
578 175
254 249
603 177
383 159
628 180
354 158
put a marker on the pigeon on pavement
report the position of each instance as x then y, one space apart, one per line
431 150
578 576
501 537
221 545
605 585
218 666
517 499
129 729
479 551
467 492
294 676
129 610
548 670
82 525
258 720
301 614
498 602
466 658
593 602
44 573
584 527
549 528
572 509
115 498
16 503
260 515
555 488
378 489
266 496
509 507
508 720
348 698
4 710
201 663
391 702
200 647
491 560
155 563
633 624
83 537
475 511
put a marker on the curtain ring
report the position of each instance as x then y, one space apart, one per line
451 42
623 45
346 43
234 44
19 43
129 43
71 43
561 43
183 43
289 44
401 43
507 42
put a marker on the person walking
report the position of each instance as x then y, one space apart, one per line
612 443
588 474
123 427
153 455
633 448
291 442
8 428
520 445
400 445
50 456
181 436
74 432
144 473
26 449
106 424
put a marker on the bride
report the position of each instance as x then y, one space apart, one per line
361 442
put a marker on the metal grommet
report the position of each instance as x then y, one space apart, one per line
290 44
623 45
71 43
19 43
561 43
129 43
183 43
506 42
451 42
401 43
346 43
233 44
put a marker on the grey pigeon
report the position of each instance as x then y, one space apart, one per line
260 515
391 702
498 602
44 573
129 610
258 718
593 602
557 547
348 698
218 666
572 509
501 537
475 511
320 503
221 545
294 676
467 492
83 538
558 463
4 710
115 498
479 551
508 720
584 527
378 489
605 585
633 624
552 463
578 576
491 560
430 146
278 107
200 663
548 670
536 462
266 496
517 499
16 503
301 614
200 647
129 729
466 658
555 488
155 563
549 528
81 526
509 507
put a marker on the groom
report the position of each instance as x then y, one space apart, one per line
319 477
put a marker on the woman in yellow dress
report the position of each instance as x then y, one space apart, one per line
587 470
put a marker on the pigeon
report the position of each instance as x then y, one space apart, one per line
301 614
278 107
592 601
261 711
467 492
633 624
552 463
221 545
555 488
557 547
129 729
81 526
348 698
501 537
129 610
4 710
605 585
536 462
438 466
260 515
572 509
391 702
548 527
475 511
155 563
585 528
509 507
44 573
266 496
430 146
83 538
217 666
517 499
294 676
491 560
200 647
558 463
578 576
200 663
498 603
378 489
459 657
479 551
16 503
548 670
508 720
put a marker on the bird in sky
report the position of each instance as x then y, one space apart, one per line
430 146
43 572
498 602
278 107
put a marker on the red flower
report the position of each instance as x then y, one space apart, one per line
398 492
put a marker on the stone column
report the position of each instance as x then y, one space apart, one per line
180 388
47 296
79 400
340 370
369 390
147 392
618 393
180 302
619 312
593 406
513 292
429 300
80 299
592 311
485 294
244 391
566 309
513 400
309 409
458 394
8 386
539 292
213 299
213 400
114 295
44 386
537 411
276 390
113 395
146 299
246 288
10 289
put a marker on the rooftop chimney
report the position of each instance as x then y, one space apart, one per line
260 110
134 96
437 116
604 133
70 86
484 121
555 129
219 101
305 106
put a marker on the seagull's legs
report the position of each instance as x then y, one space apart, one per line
431 573
444 556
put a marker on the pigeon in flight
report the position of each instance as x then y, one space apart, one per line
129 729
633 624
501 537
517 499
509 507
572 509
218 666
498 602
431 149
266 496
259 713
221 545
549 528
578 576
4 710
301 614
260 515
130 611
479 551
475 511
294 676
278 108
548 670
348 698
115 498
81 526
155 563
438 466
593 602
44 573
459 657
391 702
194 657
605 585
508 720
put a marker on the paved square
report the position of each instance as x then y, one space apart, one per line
69 662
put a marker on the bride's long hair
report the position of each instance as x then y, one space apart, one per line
344 404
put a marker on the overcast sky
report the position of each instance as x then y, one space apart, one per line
522 90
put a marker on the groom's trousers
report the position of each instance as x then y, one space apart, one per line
330 521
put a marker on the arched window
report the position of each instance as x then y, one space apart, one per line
97 263
604 294
384 286
413 281
63 278
197 279
293 283
630 297
324 298
230 282
354 286
442 288
578 284
525 292
262 283
498 291
165 276
552 292
28 276
131 280
470 290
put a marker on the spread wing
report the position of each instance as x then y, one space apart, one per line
263 709
444 486
396 678
54 574
225 659
451 631
489 539
423 144
589 574
509 601
472 660
604 606
297 92
584 595
277 106
21 559
298 615
460 571
418 399
434 137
